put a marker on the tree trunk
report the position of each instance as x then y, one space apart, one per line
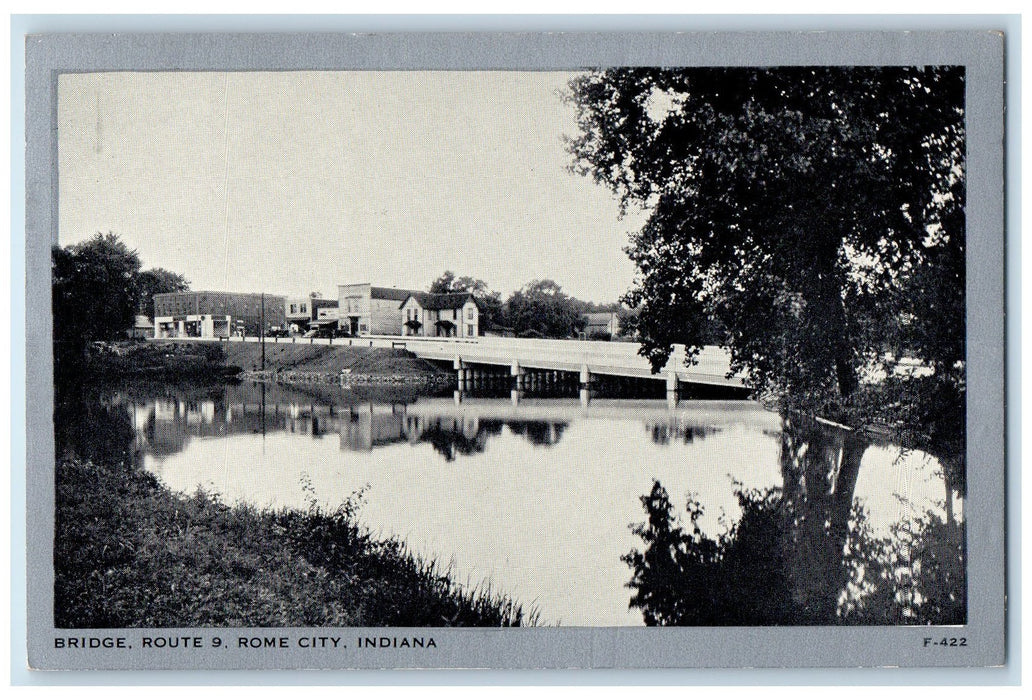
845 372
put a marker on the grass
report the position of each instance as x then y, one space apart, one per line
172 359
130 553
327 359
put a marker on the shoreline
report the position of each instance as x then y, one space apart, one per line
130 552
344 379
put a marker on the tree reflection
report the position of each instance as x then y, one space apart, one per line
801 554
674 430
540 433
97 430
449 438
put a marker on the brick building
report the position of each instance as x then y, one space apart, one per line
215 314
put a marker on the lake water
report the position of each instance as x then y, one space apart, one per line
536 497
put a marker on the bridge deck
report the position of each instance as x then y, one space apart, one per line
600 357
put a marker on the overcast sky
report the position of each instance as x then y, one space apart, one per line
338 177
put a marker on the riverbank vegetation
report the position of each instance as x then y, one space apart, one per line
814 219
817 214
97 288
130 553
753 573
284 361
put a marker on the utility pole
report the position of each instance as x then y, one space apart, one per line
261 333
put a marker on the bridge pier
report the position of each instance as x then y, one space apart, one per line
673 393
520 374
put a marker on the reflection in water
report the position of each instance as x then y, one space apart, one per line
164 425
802 553
662 433
787 523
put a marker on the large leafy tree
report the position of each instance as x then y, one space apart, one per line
815 213
542 308
95 295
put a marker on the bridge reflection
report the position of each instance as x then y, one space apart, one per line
163 422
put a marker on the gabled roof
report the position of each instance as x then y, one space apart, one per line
391 293
439 302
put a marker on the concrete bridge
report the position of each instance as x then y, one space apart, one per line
526 356
535 363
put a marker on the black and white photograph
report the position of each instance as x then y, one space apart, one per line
378 353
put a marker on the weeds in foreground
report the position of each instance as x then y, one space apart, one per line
130 553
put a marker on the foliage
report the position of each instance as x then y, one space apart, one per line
97 289
541 307
95 292
816 213
767 570
129 553
158 281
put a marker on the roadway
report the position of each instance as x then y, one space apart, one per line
619 359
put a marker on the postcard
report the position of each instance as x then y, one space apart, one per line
515 350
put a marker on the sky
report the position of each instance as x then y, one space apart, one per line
293 182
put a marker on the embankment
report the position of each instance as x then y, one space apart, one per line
291 363
299 363
130 553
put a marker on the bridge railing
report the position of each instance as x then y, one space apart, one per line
600 356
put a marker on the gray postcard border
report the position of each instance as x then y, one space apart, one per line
980 52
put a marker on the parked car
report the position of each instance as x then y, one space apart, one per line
327 331
277 332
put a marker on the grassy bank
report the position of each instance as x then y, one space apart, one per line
170 359
130 553
163 360
327 359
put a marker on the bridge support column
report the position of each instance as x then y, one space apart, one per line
461 373
585 375
673 393
521 375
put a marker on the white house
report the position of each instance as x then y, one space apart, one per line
440 315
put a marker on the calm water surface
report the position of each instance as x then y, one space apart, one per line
535 497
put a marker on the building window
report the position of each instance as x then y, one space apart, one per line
469 314
293 308
304 308
469 331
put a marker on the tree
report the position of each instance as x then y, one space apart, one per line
542 308
158 281
443 284
815 213
95 295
